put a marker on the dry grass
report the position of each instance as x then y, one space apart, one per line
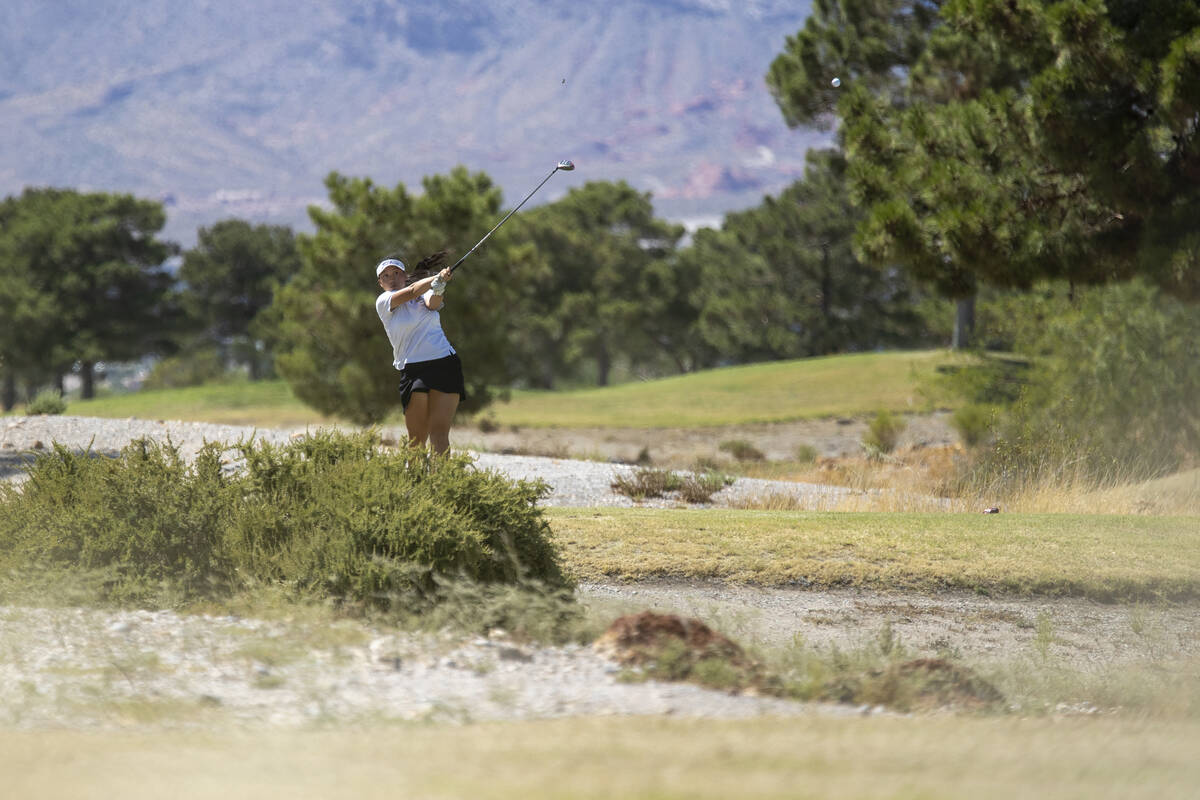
814 756
941 478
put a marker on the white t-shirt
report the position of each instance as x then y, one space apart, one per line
414 331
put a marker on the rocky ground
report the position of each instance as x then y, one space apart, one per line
102 668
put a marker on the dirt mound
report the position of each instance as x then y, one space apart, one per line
921 684
670 647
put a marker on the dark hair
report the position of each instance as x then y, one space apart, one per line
428 265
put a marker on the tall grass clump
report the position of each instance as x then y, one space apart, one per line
47 401
1112 394
331 515
883 432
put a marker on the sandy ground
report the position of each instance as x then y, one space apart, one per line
1075 632
682 446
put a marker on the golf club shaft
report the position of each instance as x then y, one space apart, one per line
506 216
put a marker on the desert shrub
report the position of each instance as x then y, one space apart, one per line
147 522
330 515
741 450
334 514
699 487
186 369
47 401
883 432
647 482
984 379
806 453
973 422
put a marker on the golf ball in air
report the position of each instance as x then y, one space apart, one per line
836 82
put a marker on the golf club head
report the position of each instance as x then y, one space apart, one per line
566 166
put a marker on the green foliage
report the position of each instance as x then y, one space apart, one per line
780 280
47 401
861 42
193 368
602 288
883 432
983 380
329 515
1113 389
323 327
962 132
229 277
81 280
973 422
149 522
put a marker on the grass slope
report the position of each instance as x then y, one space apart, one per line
260 403
1113 558
777 391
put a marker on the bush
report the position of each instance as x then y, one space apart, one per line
188 369
700 487
806 453
47 401
883 432
693 488
331 515
973 423
741 450
1112 392
647 482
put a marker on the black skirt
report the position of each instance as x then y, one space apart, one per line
440 374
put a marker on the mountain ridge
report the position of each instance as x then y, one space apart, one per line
219 113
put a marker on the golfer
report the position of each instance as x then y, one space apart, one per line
431 376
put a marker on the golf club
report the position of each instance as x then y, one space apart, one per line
565 166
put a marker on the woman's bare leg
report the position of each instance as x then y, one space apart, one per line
416 418
441 414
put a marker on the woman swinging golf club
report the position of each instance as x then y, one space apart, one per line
431 376
431 384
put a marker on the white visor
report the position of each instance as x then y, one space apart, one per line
390 262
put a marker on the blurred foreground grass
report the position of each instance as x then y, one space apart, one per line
1103 557
845 756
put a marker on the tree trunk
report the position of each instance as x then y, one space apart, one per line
8 394
964 322
603 366
826 290
88 374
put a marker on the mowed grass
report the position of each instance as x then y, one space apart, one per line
850 385
260 403
1103 557
813 756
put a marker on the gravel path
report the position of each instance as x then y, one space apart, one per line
572 483
89 668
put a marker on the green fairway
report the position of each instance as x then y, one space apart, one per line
1109 557
773 392
259 403
778 391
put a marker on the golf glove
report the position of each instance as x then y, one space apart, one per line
438 286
